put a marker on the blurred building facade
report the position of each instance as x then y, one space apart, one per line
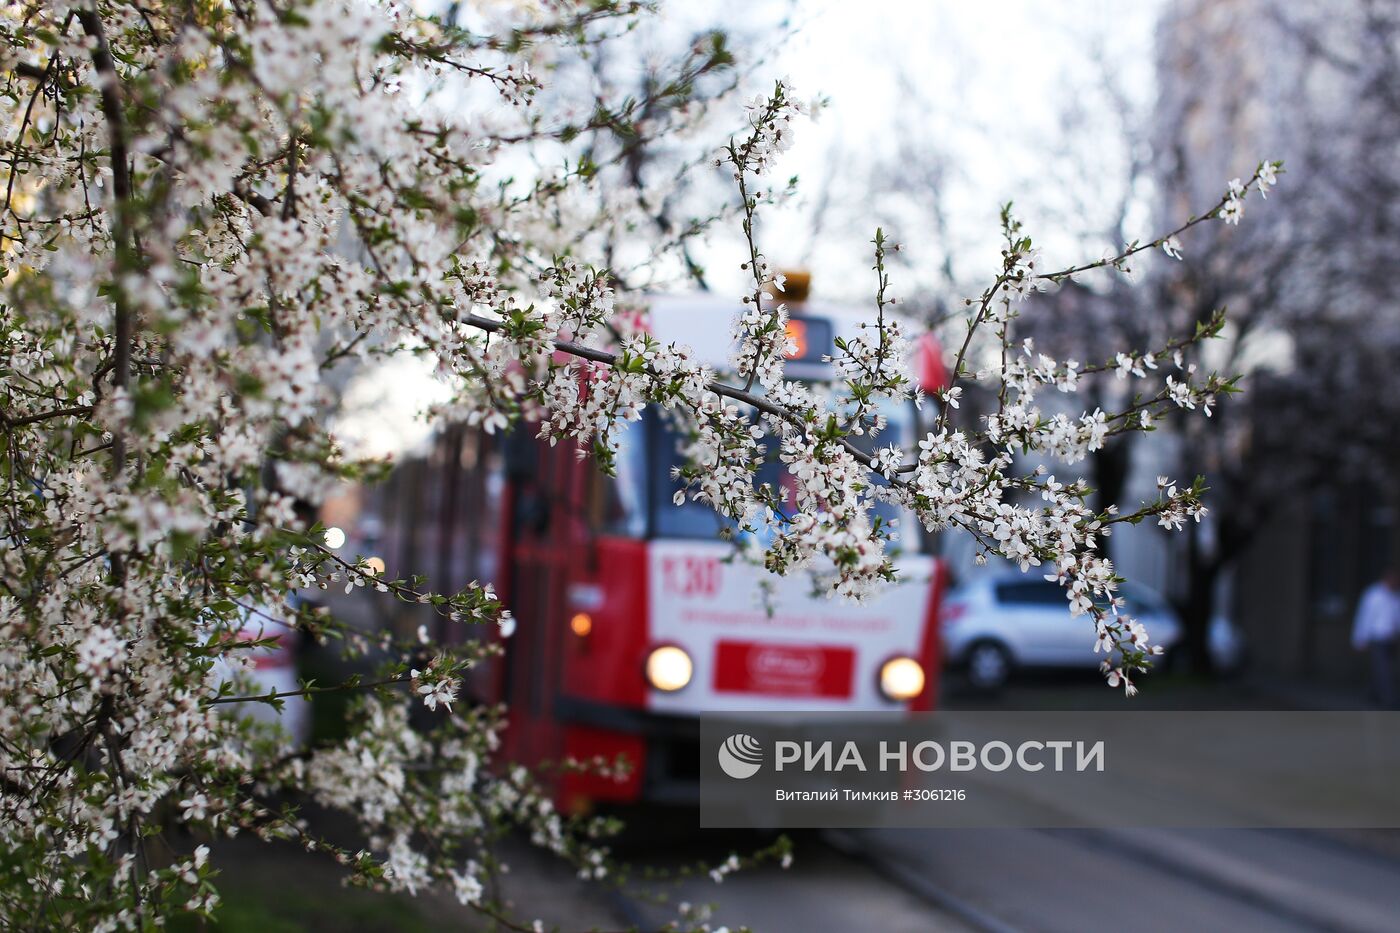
1303 467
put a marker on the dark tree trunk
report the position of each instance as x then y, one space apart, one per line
1109 466
1198 608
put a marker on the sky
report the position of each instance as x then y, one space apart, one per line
981 88
982 92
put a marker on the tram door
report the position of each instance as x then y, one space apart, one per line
544 511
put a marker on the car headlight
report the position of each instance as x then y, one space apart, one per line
669 668
901 679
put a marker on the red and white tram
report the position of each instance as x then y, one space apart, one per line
633 619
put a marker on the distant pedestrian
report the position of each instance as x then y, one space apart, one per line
1376 630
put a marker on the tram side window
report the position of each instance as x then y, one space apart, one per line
689 519
619 502
901 427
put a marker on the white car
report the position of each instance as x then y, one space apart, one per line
997 624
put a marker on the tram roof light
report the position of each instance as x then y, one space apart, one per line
797 285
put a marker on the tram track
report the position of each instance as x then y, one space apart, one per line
997 880
900 873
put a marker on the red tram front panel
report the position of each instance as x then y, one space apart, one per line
806 654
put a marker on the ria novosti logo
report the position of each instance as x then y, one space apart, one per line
740 756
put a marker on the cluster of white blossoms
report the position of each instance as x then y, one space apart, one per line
770 119
210 209
1233 209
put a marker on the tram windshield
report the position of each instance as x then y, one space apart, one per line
644 490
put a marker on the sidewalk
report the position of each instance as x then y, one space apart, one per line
1303 695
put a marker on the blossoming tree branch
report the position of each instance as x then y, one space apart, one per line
210 207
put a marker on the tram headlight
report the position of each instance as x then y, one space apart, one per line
901 679
669 668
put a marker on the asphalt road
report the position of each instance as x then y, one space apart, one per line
825 889
890 881
1076 880
1001 881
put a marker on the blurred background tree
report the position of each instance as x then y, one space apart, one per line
1312 302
